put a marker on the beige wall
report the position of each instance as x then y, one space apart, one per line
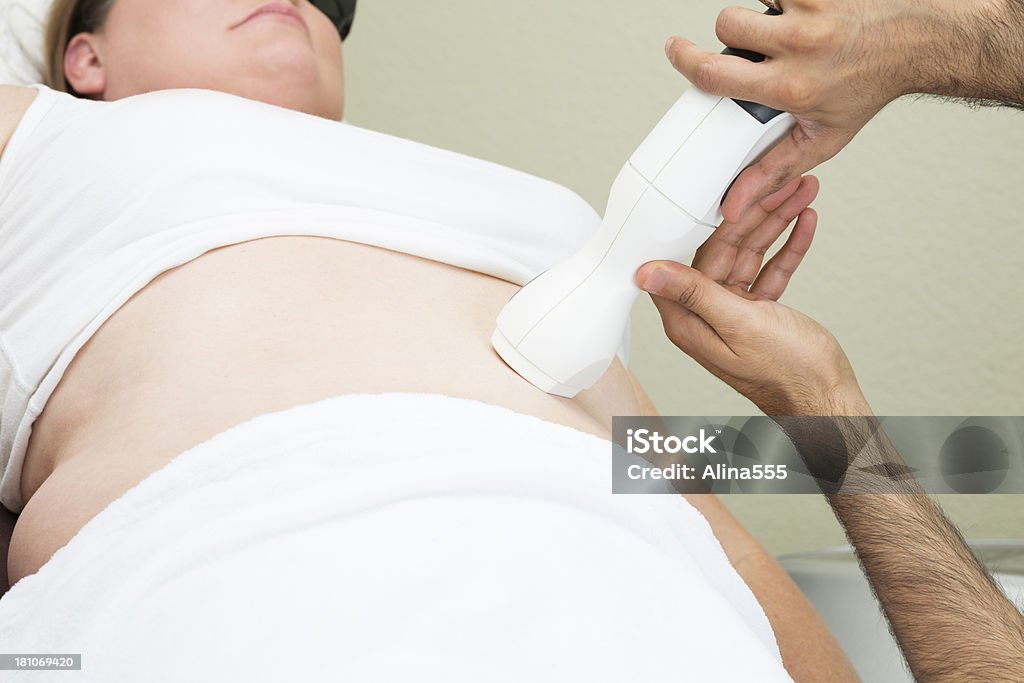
921 239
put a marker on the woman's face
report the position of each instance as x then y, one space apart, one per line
283 52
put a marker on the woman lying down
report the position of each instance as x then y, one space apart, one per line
252 421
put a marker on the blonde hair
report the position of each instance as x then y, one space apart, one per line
68 18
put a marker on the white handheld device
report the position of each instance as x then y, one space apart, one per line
560 331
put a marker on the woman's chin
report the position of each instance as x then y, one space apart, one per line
287 60
284 78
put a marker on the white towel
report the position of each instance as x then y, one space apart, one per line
392 537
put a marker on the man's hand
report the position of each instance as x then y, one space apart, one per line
729 321
734 253
835 64
788 365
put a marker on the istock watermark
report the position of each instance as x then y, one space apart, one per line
690 454
651 442
644 441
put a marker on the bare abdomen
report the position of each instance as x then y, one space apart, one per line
258 327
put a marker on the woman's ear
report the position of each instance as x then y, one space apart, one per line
83 68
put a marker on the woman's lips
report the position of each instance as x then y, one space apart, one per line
275 11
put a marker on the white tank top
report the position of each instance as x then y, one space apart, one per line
99 198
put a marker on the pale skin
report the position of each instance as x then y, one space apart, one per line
317 317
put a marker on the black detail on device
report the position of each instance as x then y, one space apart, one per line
758 111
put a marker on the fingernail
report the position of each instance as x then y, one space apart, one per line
668 46
655 282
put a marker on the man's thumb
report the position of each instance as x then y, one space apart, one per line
691 289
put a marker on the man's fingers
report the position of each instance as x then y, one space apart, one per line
778 198
776 276
746 29
780 166
798 153
717 256
755 245
725 75
693 291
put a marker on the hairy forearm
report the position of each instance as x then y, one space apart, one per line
974 50
951 620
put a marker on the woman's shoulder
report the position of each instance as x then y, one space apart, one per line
14 102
